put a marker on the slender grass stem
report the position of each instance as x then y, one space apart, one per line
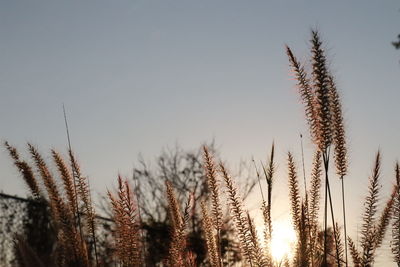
344 222
324 156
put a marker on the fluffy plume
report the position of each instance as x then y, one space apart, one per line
68 240
315 194
354 253
128 246
257 252
294 193
240 220
267 230
339 138
25 170
384 219
84 194
369 216
339 245
373 229
210 238
174 210
396 217
67 179
212 183
56 204
315 189
178 254
322 105
306 92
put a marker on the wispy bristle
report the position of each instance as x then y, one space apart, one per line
322 105
257 252
25 170
314 192
210 238
339 138
294 194
212 183
339 244
56 203
369 216
355 255
315 195
237 211
384 219
396 218
128 246
67 179
84 194
306 92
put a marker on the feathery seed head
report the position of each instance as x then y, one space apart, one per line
339 138
322 102
213 187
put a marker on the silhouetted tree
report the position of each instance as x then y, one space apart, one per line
184 169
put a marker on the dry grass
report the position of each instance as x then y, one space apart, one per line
67 193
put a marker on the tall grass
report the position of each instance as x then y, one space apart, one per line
67 193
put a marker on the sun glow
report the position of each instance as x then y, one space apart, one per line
283 240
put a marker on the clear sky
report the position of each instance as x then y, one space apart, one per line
137 76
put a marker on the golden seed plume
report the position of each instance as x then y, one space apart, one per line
306 93
315 194
384 219
294 194
322 104
67 180
128 244
25 170
208 228
256 250
369 216
354 253
211 175
339 138
240 220
396 218
56 204
83 193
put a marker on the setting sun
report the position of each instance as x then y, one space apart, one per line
283 240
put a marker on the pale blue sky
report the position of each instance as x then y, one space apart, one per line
137 76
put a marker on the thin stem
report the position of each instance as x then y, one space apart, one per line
324 156
258 178
344 221
75 191
306 195
333 224
77 215
304 169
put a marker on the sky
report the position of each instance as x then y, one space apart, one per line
140 76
